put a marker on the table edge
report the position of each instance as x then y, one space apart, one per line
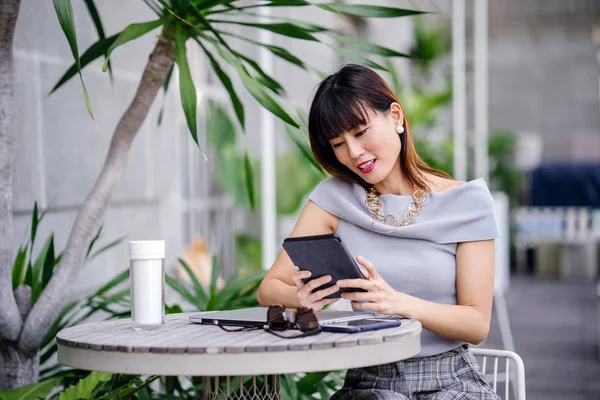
245 363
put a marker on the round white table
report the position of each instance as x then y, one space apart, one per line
180 347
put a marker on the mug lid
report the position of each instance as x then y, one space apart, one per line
147 249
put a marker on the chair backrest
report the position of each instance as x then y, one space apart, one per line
502 368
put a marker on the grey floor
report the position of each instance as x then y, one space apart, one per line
555 329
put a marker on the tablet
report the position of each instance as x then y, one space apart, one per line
324 255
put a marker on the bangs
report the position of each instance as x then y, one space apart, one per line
338 111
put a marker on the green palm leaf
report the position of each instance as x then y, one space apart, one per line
195 282
35 221
93 11
256 90
43 263
226 81
18 272
212 301
165 90
309 27
64 12
367 11
36 391
214 276
95 51
94 240
220 131
235 285
117 280
286 55
299 139
108 246
367 47
200 304
206 4
356 57
249 175
265 99
55 371
276 50
274 3
131 32
284 28
58 324
49 263
262 76
208 26
186 86
307 383
85 388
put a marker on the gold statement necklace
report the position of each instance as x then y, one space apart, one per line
411 215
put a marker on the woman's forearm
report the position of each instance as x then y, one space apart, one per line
275 291
457 322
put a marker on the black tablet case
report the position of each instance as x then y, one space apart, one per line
323 255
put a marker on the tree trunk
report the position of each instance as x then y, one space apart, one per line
88 219
10 319
16 368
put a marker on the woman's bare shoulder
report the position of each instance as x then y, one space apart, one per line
314 220
437 184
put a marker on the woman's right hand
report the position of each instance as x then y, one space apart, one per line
306 297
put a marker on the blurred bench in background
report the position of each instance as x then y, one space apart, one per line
562 220
576 230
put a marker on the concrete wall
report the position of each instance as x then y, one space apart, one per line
544 74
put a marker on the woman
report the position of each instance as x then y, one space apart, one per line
425 241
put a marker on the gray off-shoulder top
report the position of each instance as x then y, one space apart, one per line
418 259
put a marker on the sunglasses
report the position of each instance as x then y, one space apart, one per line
304 319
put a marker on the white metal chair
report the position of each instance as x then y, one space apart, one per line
508 375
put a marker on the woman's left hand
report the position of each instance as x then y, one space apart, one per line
379 296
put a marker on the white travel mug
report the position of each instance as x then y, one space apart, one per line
147 267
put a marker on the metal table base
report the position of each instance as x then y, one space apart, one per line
264 387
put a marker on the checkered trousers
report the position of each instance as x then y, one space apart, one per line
451 375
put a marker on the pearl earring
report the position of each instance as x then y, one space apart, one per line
399 129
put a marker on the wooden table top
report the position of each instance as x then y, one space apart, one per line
180 347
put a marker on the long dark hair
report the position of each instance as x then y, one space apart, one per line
341 104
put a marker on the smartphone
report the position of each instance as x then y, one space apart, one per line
323 255
361 325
